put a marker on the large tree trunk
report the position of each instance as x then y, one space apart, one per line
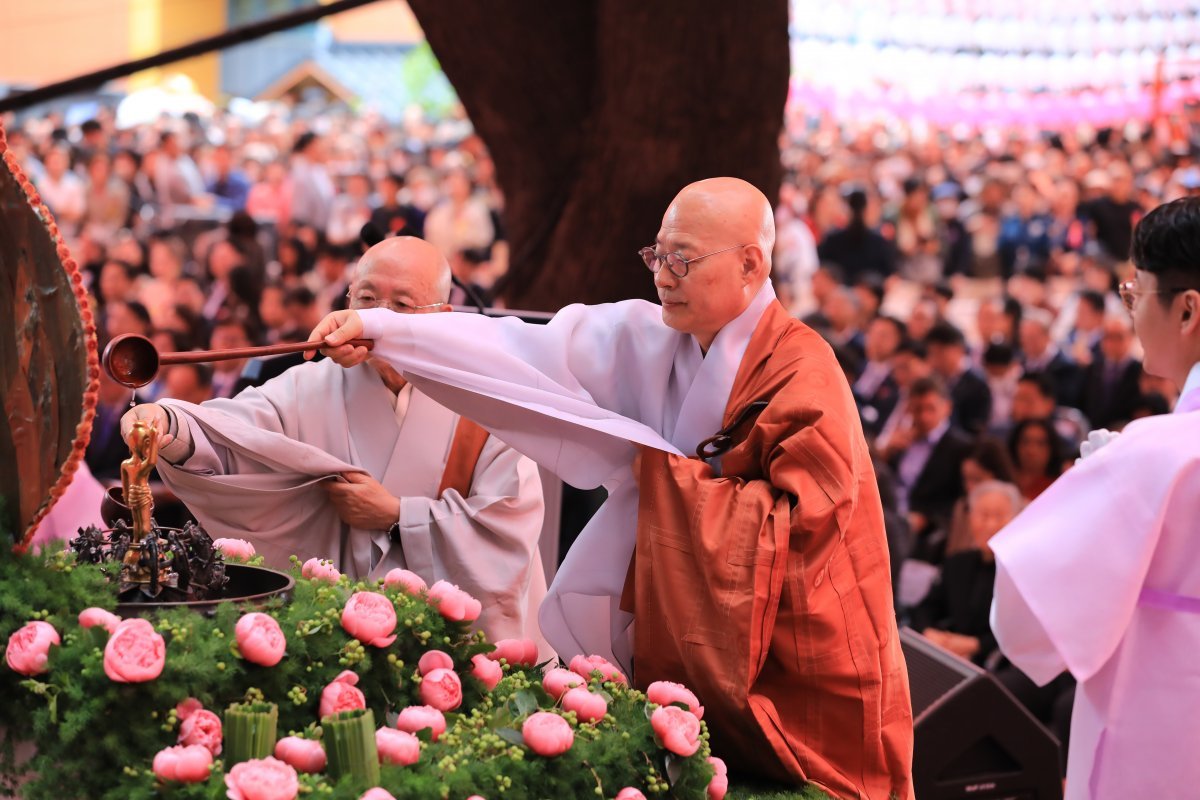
597 112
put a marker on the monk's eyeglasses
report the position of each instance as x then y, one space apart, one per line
1129 292
675 261
363 301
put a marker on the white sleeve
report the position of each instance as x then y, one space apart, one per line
560 393
484 542
264 407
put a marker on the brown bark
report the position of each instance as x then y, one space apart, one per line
597 112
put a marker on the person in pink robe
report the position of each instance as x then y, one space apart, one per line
1100 576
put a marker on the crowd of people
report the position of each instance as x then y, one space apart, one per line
970 285
972 288
220 233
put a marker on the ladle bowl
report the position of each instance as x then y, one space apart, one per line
133 361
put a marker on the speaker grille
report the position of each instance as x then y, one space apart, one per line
932 673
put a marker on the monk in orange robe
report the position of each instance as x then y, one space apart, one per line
756 571
767 589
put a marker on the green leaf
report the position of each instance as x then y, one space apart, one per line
511 736
526 702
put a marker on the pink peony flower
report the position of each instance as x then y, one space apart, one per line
341 695
558 680
203 728
235 548
370 617
402 579
135 652
516 651
262 779
260 639
664 693
418 718
434 659
588 706
630 793
719 785
305 755
442 689
93 617
678 730
584 666
189 764
29 647
486 671
397 747
453 603
318 569
376 794
547 734
185 708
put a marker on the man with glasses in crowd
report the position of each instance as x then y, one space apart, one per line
741 550
1100 575
359 467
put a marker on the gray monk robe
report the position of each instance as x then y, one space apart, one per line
252 467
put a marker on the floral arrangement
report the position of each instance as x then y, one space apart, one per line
350 690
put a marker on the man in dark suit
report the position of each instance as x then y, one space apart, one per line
875 389
969 393
1112 382
927 457
1040 354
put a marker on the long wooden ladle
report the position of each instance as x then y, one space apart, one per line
133 361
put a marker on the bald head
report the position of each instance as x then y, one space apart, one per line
404 269
729 208
725 229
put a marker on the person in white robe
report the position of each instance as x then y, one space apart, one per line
579 396
360 467
1100 576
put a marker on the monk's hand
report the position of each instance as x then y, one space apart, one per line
152 414
335 330
362 502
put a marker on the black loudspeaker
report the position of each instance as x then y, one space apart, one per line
972 739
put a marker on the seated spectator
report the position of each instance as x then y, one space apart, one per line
969 390
1112 381
927 457
1034 399
987 461
857 249
874 388
1037 455
909 364
1003 374
1041 354
954 615
190 382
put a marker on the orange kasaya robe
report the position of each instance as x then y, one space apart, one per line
767 590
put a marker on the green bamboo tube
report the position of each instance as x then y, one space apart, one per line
349 739
250 730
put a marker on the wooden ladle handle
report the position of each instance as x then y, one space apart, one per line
205 356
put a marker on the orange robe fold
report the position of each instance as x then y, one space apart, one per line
767 590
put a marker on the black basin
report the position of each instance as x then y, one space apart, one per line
246 585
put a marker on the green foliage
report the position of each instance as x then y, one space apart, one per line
422 78
97 739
